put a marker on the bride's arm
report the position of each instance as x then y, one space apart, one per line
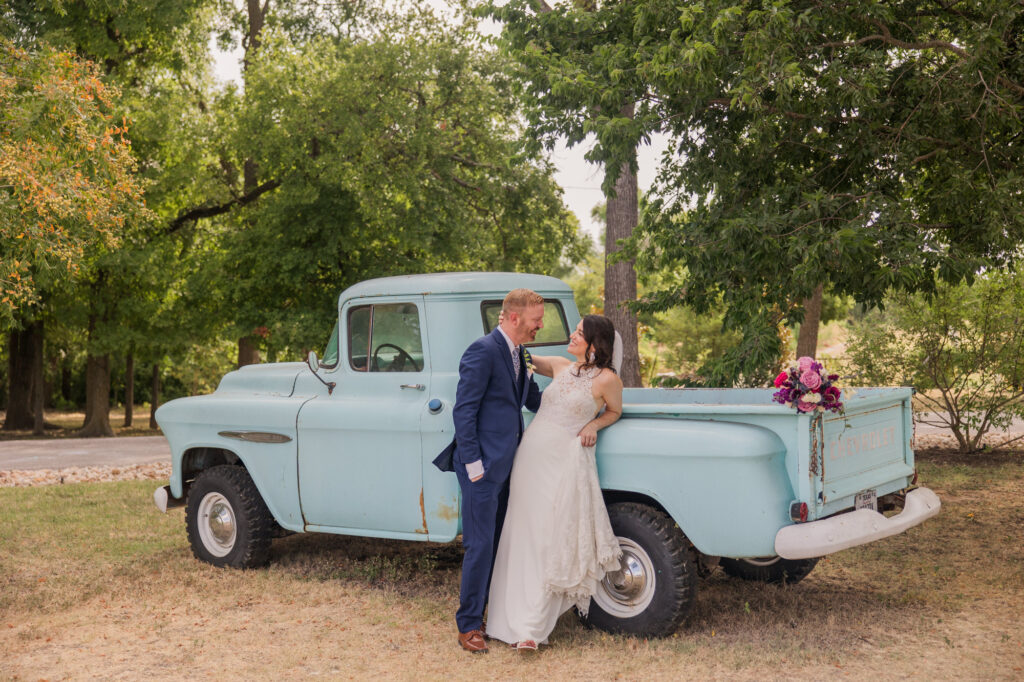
549 365
608 387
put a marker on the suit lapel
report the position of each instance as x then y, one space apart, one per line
499 340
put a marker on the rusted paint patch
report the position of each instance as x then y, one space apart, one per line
423 514
447 512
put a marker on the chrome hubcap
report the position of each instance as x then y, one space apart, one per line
217 524
628 591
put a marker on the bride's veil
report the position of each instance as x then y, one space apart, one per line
617 353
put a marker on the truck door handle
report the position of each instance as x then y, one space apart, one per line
418 387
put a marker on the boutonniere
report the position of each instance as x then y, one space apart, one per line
530 369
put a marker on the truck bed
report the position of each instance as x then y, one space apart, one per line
830 457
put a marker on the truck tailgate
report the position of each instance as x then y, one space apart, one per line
867 448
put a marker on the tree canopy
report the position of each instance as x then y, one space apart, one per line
67 180
861 145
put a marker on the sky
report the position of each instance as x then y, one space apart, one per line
580 181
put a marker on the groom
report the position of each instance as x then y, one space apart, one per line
493 388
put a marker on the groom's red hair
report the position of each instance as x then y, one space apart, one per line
519 299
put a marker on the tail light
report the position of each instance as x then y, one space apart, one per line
798 511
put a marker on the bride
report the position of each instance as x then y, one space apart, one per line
557 543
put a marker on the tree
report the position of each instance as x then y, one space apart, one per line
962 349
577 67
860 146
155 53
393 153
67 186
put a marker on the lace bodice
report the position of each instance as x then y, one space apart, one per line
569 400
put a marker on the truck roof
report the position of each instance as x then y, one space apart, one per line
497 283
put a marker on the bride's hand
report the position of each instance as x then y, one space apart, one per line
588 435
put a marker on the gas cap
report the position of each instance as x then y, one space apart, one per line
434 406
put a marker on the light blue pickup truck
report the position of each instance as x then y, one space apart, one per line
693 478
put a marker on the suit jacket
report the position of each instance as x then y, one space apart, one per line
488 410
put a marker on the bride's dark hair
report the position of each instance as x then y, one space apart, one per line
599 335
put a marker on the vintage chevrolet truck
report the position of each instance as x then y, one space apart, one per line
693 478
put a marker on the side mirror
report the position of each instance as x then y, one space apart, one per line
314 366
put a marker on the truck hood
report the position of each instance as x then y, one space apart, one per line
277 379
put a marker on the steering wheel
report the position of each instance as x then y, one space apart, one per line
402 355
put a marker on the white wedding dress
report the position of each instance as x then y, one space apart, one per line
557 543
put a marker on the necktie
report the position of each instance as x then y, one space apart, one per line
515 363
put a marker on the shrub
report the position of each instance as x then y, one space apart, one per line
961 348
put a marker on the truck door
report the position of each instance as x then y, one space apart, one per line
360 467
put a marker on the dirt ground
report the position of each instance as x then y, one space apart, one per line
942 601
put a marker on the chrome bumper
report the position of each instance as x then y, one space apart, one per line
818 538
163 500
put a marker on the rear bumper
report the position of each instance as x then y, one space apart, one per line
818 538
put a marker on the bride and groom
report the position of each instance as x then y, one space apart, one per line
534 526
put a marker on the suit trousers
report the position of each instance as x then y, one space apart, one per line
484 504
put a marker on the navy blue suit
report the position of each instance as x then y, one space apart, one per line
488 417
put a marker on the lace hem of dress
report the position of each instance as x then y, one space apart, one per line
583 545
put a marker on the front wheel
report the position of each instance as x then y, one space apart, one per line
769 569
228 523
656 586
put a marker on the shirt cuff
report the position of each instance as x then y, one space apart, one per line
475 469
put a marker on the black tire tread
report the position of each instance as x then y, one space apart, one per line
256 525
682 570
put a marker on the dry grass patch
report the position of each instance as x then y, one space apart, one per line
96 583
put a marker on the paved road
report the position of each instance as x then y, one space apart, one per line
61 453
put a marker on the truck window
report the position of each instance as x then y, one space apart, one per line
385 338
554 333
330 358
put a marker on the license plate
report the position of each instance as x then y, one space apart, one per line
866 500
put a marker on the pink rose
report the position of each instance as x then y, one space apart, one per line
805 363
779 380
805 407
810 379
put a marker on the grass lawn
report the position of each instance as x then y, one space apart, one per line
97 583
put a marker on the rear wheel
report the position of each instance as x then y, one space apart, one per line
654 591
769 569
228 523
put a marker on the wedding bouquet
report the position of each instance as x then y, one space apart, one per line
809 387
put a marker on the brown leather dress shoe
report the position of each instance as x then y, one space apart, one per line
473 642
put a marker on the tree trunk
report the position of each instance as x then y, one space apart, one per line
248 352
19 378
97 398
154 402
38 380
807 342
97 392
620 278
129 388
